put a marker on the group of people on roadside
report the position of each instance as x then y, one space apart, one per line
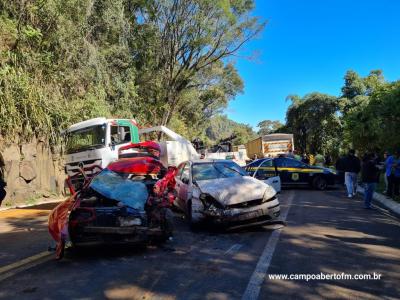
310 159
350 165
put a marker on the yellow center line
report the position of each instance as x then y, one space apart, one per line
23 213
23 264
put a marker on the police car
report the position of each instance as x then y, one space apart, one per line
291 172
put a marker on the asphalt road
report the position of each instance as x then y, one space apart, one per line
325 232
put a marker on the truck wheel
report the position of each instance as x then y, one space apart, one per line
320 183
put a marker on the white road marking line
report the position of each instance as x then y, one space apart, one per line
233 248
257 278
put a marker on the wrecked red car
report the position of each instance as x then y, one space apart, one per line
127 202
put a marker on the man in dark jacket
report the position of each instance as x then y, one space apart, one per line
339 168
351 167
393 174
370 177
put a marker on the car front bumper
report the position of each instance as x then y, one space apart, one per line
96 235
255 215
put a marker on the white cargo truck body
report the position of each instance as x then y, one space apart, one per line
239 157
176 149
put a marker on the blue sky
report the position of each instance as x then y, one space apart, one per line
308 45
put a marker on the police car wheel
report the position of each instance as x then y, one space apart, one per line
320 183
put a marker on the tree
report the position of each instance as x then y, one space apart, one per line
358 122
314 122
185 45
268 126
374 125
160 61
221 127
357 89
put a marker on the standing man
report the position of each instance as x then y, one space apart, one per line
296 155
290 154
339 168
370 177
319 160
305 159
351 167
392 164
386 155
312 159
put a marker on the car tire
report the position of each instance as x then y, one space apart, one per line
320 183
194 225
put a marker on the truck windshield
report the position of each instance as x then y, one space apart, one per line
88 138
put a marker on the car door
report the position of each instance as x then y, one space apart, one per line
178 185
291 171
252 167
183 184
267 173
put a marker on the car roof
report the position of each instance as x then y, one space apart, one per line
208 160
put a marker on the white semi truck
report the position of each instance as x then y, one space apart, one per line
97 142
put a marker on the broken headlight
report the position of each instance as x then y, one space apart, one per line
211 205
269 194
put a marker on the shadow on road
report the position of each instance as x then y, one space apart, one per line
329 233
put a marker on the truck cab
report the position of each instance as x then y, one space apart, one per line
97 141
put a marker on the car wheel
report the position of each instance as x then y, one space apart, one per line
320 183
193 223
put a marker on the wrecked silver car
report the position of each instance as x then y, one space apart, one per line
220 191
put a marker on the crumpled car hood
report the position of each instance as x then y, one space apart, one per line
115 187
235 190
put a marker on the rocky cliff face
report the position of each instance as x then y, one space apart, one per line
31 171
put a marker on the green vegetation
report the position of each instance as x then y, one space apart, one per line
365 117
268 127
161 62
220 127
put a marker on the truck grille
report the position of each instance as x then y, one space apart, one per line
85 162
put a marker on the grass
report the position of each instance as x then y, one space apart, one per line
32 200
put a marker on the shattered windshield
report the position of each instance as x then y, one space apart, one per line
208 171
113 186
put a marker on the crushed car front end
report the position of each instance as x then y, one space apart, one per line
108 225
238 202
111 210
113 206
253 212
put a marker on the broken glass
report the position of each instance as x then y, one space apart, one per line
109 184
